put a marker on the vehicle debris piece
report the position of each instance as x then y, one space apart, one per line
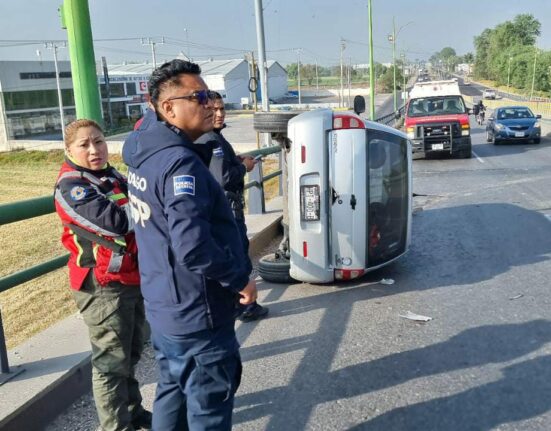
512 298
416 317
387 281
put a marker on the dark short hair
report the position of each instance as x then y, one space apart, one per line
168 75
216 95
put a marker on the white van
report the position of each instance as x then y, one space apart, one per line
349 196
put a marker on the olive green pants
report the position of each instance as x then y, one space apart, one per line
115 318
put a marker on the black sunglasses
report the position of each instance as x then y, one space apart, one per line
202 96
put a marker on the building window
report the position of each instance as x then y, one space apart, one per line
17 100
131 89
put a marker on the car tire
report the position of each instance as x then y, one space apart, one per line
537 140
272 122
488 136
275 269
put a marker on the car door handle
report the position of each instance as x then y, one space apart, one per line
353 202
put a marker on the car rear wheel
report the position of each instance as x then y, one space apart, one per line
488 136
275 269
272 122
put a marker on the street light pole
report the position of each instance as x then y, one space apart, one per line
54 47
394 61
263 67
509 72
392 38
149 41
341 95
187 42
534 73
298 77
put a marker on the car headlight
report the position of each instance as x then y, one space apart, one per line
500 126
537 124
410 131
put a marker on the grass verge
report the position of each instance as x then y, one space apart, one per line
34 306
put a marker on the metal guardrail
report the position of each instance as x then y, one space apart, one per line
393 116
27 209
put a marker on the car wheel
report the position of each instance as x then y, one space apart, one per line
537 140
488 136
274 269
272 122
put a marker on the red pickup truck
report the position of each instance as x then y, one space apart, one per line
437 120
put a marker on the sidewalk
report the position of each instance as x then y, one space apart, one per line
56 362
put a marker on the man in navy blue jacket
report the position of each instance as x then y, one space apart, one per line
190 255
230 170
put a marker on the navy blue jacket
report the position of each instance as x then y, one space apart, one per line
189 249
227 169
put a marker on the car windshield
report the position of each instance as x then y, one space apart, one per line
514 113
436 106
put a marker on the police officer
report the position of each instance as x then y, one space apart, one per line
230 170
191 255
91 200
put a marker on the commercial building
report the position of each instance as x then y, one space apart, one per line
29 106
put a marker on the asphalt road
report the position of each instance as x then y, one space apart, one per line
338 357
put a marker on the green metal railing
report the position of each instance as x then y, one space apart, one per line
27 209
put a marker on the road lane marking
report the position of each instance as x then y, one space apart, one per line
477 158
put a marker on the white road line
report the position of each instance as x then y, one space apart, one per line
478 158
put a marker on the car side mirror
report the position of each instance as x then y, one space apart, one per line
538 116
359 104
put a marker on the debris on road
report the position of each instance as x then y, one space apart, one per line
416 317
387 281
512 298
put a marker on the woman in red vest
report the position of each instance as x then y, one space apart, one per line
91 198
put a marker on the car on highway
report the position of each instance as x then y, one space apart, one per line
488 93
513 124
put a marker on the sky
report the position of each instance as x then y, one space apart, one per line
224 29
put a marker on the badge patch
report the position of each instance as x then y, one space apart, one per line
218 152
78 193
184 185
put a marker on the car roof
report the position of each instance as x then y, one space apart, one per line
513 107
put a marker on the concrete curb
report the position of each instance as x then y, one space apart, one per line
57 360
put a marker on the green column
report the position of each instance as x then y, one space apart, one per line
371 71
75 17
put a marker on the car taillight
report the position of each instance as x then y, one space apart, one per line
304 249
348 274
347 121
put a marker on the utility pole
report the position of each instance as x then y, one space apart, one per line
371 71
534 73
107 90
149 41
53 46
349 80
262 55
317 78
298 77
188 47
341 94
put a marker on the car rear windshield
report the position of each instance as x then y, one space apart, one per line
436 106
